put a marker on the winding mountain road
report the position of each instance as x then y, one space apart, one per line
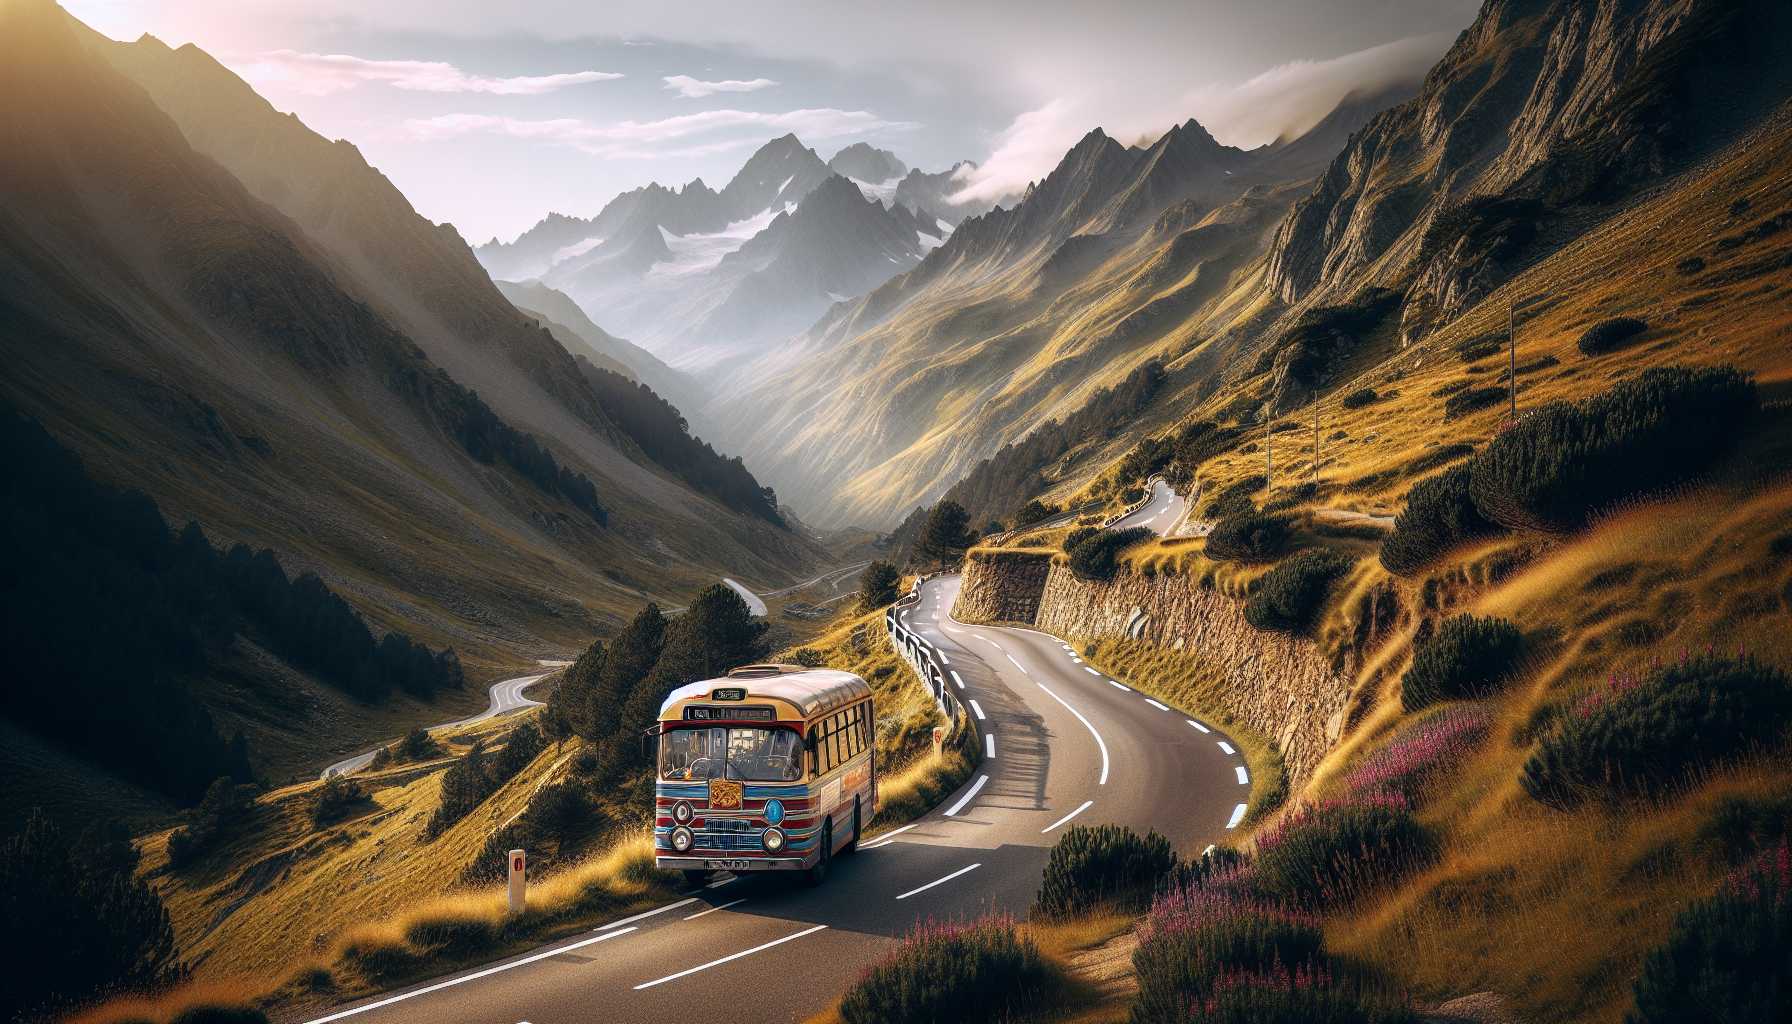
506 696
1064 743
1160 515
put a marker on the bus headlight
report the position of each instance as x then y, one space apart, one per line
682 839
681 812
774 840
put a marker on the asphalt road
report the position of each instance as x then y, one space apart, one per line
506 696
1161 514
1066 744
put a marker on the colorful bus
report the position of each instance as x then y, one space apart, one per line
768 769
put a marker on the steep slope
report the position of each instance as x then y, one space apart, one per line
1117 257
929 194
189 340
1541 115
537 299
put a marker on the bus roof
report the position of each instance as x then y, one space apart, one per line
814 691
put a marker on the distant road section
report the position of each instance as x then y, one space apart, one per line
1160 515
506 696
754 604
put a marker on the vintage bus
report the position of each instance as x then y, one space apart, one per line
770 768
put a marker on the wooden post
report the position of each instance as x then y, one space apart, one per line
1512 358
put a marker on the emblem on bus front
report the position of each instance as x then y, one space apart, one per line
724 795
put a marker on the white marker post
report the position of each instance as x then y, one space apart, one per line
518 881
939 739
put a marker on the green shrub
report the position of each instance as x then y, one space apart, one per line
1330 854
1250 537
1103 864
1438 516
1359 398
1472 400
1728 957
334 799
1563 463
1637 734
1468 657
981 972
1078 535
877 587
418 745
1289 595
224 809
1034 511
1481 346
451 936
1096 557
1235 499
1609 335
1197 936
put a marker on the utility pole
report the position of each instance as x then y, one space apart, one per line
1268 459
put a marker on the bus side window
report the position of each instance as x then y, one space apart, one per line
814 745
855 735
865 724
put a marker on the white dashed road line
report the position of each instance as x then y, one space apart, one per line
1120 685
940 881
711 910
1198 725
1017 664
1227 747
989 745
1090 671
1086 805
976 787
1244 777
1155 704
731 957
888 837
1237 816
957 680
978 710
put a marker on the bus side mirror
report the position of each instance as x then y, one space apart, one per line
650 746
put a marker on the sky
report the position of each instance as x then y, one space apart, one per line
490 115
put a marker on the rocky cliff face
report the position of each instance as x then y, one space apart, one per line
1540 106
1281 686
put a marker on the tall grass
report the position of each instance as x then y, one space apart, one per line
980 972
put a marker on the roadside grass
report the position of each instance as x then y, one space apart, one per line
1189 681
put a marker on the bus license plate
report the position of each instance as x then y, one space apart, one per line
729 865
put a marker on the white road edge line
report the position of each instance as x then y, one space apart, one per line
888 837
977 709
1155 704
976 787
488 972
957 680
940 881
943 659
1086 805
1237 816
1244 777
989 745
1197 725
732 956
1010 657
1086 724
1227 747
1119 685
1090 671
712 910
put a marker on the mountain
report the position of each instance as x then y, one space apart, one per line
1540 112
188 339
1119 256
929 194
867 163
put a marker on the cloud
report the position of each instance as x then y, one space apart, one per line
321 74
683 135
694 88
1290 98
1287 99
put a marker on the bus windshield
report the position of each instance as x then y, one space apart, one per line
742 753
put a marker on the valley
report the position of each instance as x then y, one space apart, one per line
1289 533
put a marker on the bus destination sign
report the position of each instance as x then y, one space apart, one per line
735 713
728 693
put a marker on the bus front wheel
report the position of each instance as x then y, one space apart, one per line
817 874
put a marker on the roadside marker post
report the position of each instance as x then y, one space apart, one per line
518 881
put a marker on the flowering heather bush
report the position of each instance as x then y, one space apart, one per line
1196 934
1729 957
1638 733
981 971
1331 853
1467 657
1092 865
1418 752
1301 995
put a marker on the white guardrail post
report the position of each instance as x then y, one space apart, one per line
518 881
921 656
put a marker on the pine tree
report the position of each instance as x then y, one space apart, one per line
877 588
944 538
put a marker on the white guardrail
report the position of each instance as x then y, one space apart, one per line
921 655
